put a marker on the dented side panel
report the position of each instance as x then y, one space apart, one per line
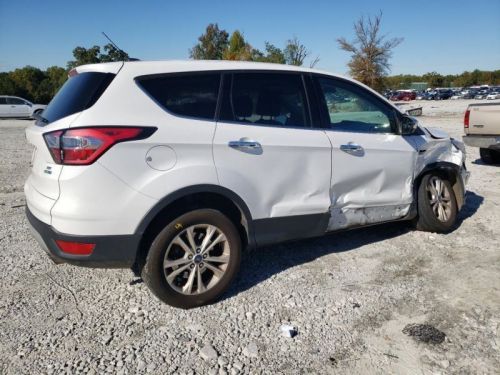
287 174
374 185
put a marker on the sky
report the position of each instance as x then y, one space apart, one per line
439 35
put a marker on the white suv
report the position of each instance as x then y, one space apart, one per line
172 168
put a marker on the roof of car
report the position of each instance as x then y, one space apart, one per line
196 65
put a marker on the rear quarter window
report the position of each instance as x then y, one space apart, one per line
189 95
77 94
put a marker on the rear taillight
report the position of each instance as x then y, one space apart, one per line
75 248
466 119
83 146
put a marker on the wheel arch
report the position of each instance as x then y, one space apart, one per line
187 199
449 170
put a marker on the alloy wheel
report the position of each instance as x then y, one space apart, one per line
196 259
439 198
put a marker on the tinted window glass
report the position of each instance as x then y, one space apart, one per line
15 101
78 93
3 101
266 98
185 95
351 109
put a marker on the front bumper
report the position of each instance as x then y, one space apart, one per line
482 141
117 251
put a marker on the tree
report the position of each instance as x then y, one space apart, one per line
295 52
94 55
211 45
273 54
84 56
370 52
238 48
433 79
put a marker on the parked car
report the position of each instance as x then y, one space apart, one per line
493 96
174 168
404 95
443 94
482 129
456 96
13 106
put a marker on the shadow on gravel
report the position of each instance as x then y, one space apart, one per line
262 263
472 204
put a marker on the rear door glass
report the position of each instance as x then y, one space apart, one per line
276 99
77 94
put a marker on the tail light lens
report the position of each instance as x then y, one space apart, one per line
83 146
75 248
466 119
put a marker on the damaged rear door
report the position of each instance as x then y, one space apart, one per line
266 152
372 166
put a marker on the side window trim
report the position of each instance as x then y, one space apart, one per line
325 118
228 85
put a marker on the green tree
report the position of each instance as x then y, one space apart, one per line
370 52
84 56
93 55
238 48
211 44
433 79
26 81
272 54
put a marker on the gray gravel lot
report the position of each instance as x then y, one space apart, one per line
350 295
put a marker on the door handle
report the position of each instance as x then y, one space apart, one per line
351 148
244 143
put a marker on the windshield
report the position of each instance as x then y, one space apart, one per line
78 93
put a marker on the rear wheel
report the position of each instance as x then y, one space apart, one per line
437 205
193 259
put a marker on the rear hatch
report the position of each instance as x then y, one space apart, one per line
82 89
484 119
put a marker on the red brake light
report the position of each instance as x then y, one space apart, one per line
83 146
466 119
75 248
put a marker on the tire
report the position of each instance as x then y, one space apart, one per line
489 156
183 287
430 217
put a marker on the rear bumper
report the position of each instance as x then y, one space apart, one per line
482 141
117 251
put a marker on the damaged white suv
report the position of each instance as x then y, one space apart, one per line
172 168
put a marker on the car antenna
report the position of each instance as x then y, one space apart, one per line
122 52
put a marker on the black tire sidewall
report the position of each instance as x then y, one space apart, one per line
153 274
427 220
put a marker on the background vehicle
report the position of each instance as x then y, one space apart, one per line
173 168
482 129
13 106
493 95
405 95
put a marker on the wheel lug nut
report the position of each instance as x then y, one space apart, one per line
192 266
201 264
197 251
190 257
204 256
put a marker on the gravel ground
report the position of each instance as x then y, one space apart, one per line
350 296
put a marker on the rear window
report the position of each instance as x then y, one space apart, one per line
77 94
190 95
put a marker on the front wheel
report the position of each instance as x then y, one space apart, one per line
193 260
437 204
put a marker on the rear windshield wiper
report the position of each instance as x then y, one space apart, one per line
39 118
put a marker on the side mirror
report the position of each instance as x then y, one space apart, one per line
406 125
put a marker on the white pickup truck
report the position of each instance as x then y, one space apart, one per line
482 129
